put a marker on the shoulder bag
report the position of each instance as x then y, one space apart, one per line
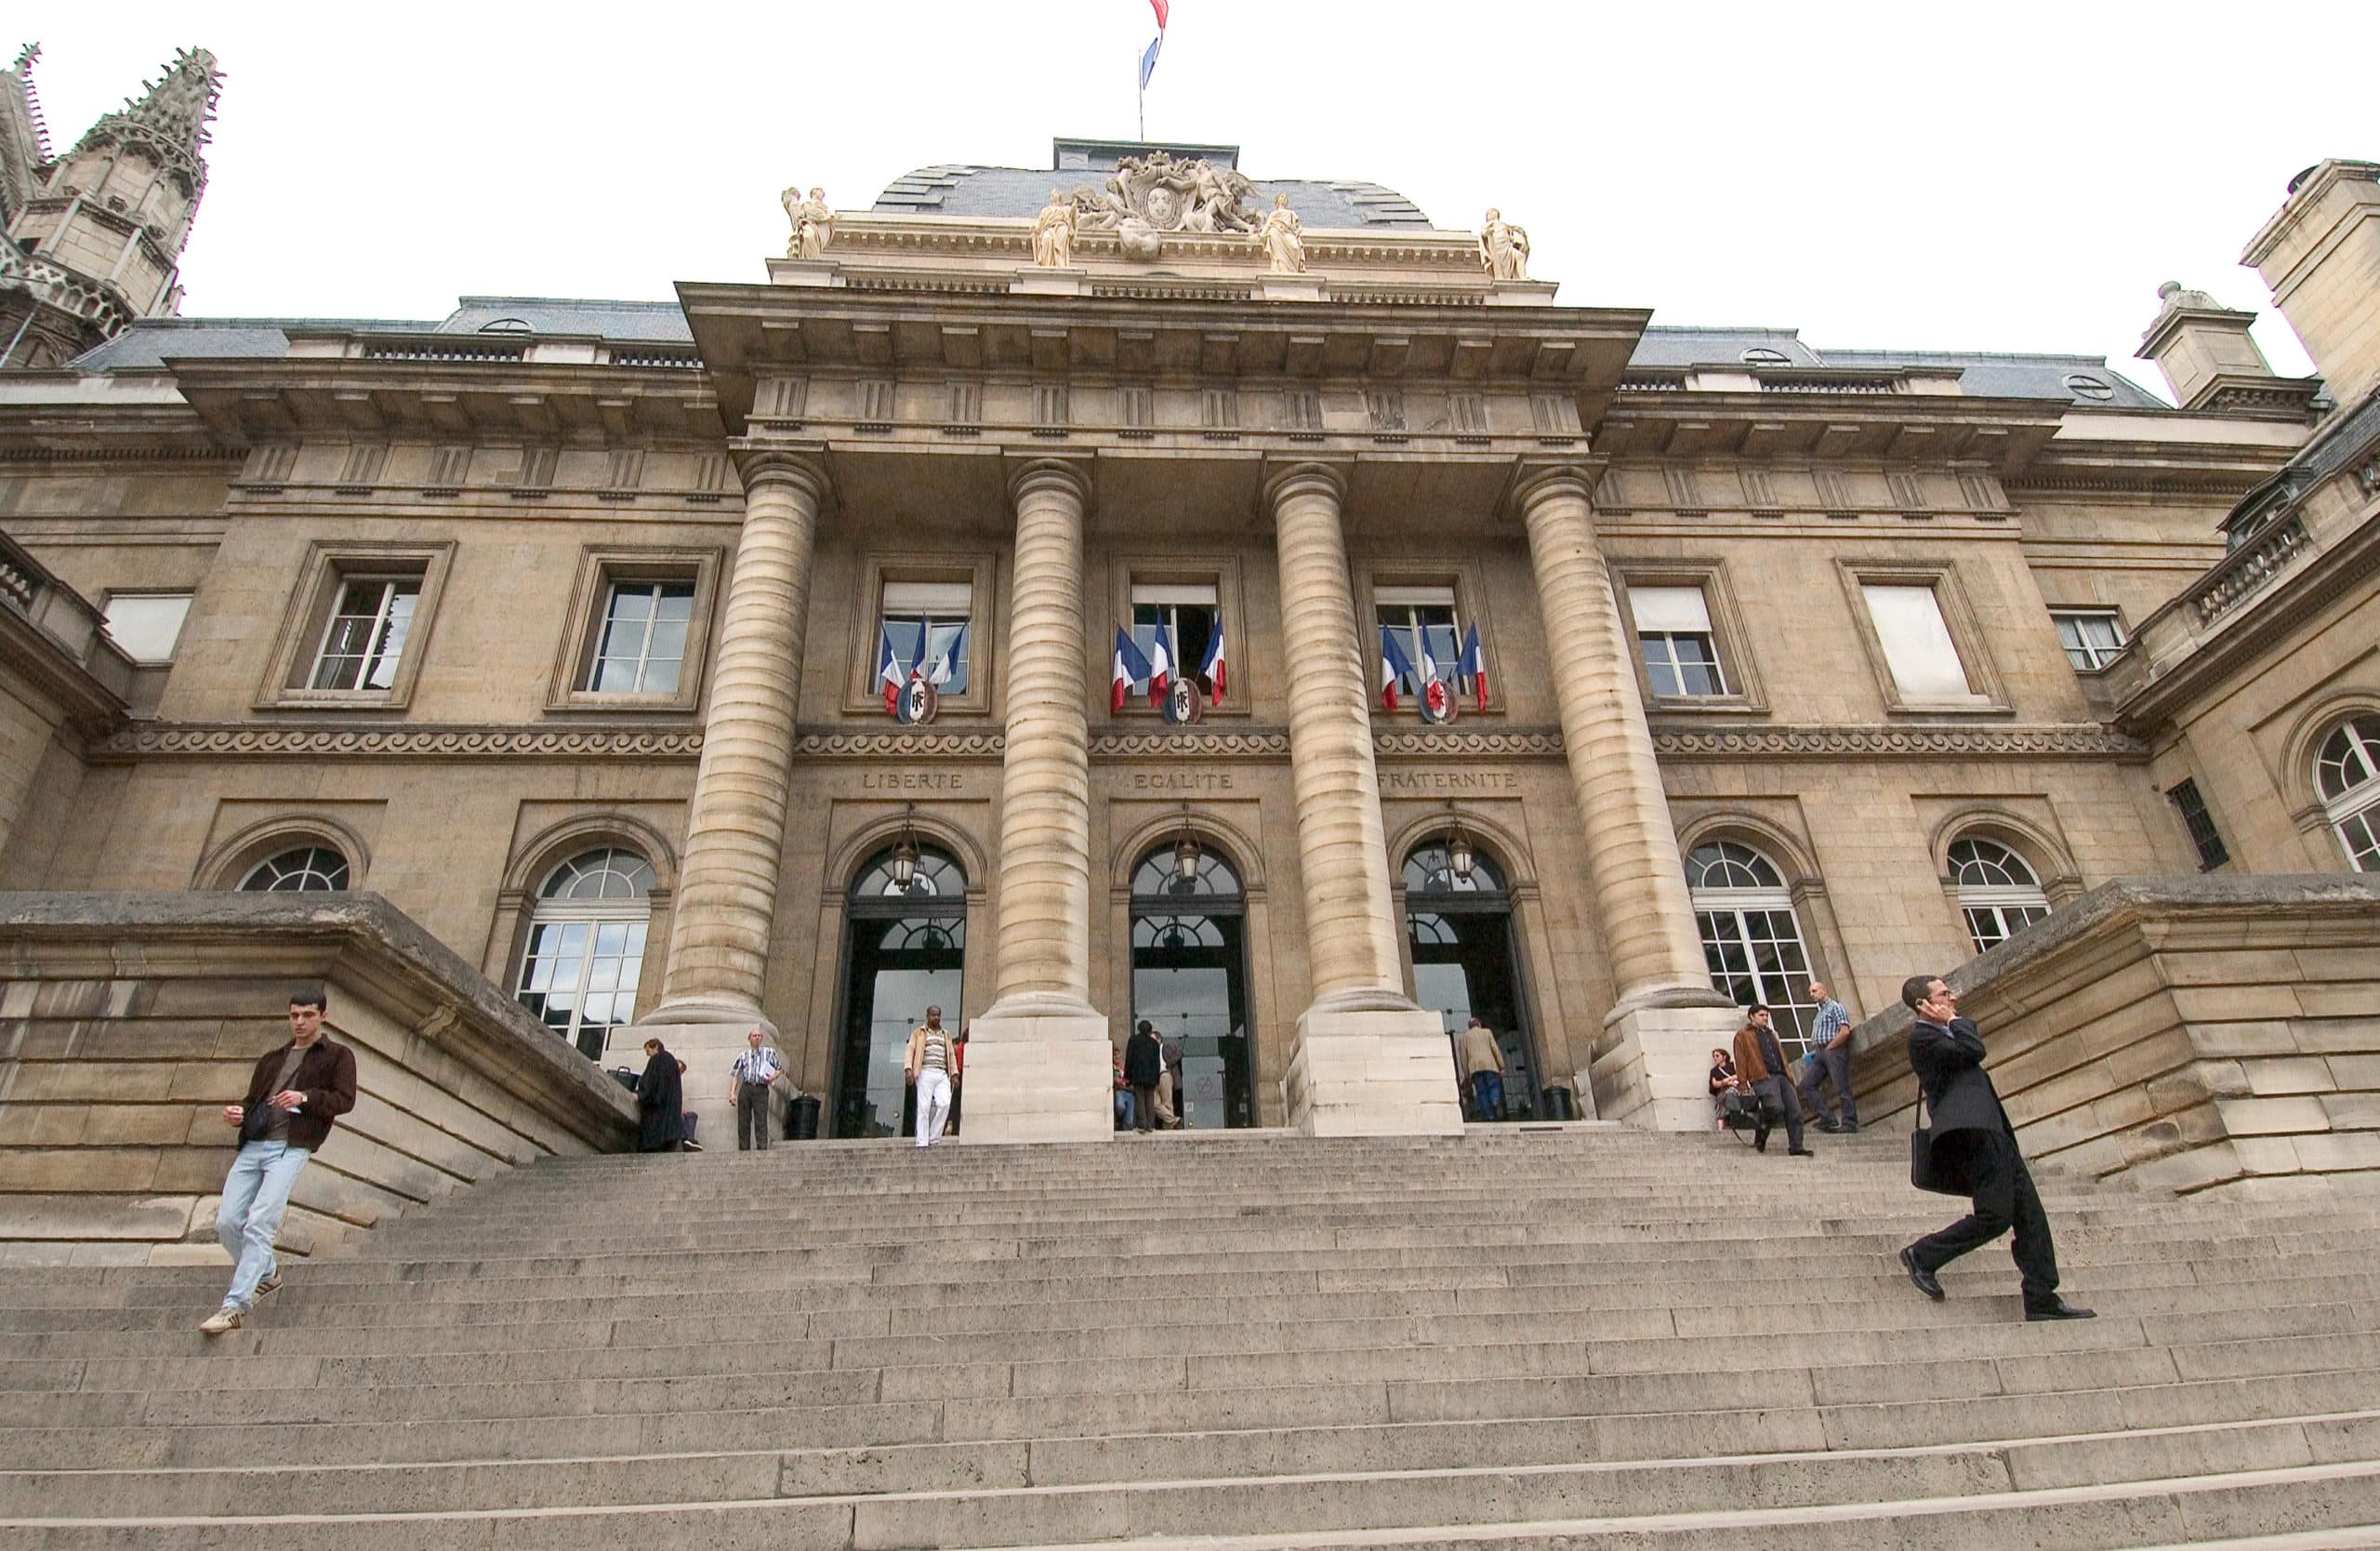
1922 1171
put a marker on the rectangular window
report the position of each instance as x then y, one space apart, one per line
2212 853
642 648
1426 623
938 611
365 637
147 625
1674 632
2092 637
1191 616
1916 642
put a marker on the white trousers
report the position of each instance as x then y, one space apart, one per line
933 1105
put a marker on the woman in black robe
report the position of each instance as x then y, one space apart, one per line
659 1098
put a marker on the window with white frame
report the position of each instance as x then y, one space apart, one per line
1916 642
147 625
1998 892
641 645
2092 637
1750 938
935 614
2346 777
299 870
1190 615
365 638
1426 623
584 951
1680 650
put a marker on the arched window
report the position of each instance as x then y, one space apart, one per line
2346 776
1750 938
905 950
1998 892
584 951
1430 870
936 876
300 869
1189 917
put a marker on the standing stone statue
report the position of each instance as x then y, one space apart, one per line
1282 238
1053 233
814 222
1503 248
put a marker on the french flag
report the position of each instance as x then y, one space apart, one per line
946 667
1429 663
1394 665
1160 663
1472 665
1214 667
888 671
1131 668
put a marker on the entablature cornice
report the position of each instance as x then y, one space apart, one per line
246 402
117 434
1908 428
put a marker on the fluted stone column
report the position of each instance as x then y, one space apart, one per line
1366 1060
1038 1060
1650 1067
727 879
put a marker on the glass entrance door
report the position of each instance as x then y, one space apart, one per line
905 950
1466 964
1190 981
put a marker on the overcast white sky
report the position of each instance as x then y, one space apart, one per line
1999 176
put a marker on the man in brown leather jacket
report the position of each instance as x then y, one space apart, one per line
1760 1063
296 1094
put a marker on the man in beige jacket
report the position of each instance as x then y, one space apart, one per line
1483 1071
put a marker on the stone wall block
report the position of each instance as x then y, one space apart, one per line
2303 1074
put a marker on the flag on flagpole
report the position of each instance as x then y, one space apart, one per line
1131 668
1394 665
888 670
946 667
1161 7
1148 60
1161 663
1472 665
1429 663
1214 667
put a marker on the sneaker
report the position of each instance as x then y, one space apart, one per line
270 1285
1829 1126
221 1322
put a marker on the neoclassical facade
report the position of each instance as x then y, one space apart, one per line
598 637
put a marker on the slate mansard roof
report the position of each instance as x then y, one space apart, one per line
1014 193
1982 373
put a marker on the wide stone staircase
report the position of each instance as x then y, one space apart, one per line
1516 1337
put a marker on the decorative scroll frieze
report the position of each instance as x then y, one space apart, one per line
900 744
1519 743
1887 742
1269 744
260 741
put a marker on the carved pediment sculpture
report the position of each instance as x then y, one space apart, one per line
1169 196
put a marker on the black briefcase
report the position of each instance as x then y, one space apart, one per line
1922 1171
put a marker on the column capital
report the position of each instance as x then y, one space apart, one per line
1030 476
759 464
1295 479
1540 481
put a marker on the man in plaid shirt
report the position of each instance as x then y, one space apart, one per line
755 1070
1830 1059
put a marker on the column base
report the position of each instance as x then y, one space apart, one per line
1039 1070
708 1037
1372 1068
1654 1067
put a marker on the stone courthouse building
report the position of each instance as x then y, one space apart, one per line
566 626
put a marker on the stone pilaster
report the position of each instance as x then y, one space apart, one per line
1366 1060
719 934
1038 1061
1650 1066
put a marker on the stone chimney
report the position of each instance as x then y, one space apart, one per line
2198 344
2321 257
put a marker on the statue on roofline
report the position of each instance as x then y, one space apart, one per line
814 222
1282 238
1503 248
1053 233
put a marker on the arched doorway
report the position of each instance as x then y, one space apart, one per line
1190 977
1466 960
905 950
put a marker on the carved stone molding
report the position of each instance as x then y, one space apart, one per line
1525 743
900 744
1270 745
260 741
1886 743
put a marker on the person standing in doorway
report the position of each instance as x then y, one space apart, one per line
1830 1060
755 1073
1760 1065
928 1066
1170 1109
1144 1064
1975 1148
1483 1069
660 1101
294 1094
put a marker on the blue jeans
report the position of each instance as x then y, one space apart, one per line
256 1194
1123 1108
1487 1092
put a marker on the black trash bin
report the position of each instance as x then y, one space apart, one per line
1558 1105
801 1119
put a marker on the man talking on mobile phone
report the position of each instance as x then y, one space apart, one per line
295 1094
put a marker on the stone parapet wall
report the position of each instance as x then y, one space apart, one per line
2188 1033
128 1020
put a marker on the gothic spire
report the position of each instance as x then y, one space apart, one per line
171 119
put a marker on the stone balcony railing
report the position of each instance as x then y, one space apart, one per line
2247 568
61 615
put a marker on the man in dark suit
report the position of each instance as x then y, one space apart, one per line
1143 1062
1975 1147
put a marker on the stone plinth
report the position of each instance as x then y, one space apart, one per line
1522 293
1291 287
1038 282
1652 1067
131 1019
1040 1074
1370 1071
806 271
709 1046
2192 1033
